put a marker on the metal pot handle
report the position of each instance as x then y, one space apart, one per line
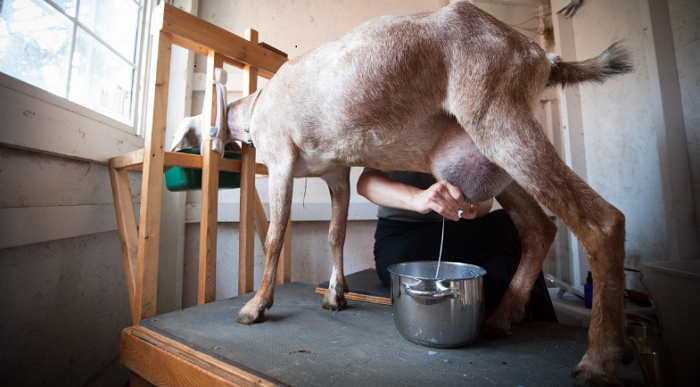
432 294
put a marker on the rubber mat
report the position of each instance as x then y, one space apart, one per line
300 344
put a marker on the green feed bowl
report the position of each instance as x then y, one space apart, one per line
190 179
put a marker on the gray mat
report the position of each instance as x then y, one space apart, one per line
300 344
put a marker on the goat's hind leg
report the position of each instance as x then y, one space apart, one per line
339 187
280 206
537 233
512 138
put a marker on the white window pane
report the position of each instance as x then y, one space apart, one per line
114 21
68 6
100 79
35 43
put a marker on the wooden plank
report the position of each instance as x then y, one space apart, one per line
202 37
206 289
246 231
152 181
301 212
128 232
360 297
165 362
261 222
188 160
133 161
273 49
206 285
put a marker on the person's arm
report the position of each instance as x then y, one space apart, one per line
442 197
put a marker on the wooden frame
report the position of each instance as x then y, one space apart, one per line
140 243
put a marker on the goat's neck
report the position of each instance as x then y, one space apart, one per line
239 115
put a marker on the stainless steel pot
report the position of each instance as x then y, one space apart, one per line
445 312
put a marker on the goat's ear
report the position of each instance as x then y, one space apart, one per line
187 126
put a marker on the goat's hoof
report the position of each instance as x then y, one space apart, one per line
497 326
246 319
334 299
333 307
250 313
597 373
493 330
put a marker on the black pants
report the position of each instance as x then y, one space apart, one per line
491 242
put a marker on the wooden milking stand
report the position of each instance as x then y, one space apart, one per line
152 357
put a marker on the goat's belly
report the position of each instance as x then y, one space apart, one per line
313 166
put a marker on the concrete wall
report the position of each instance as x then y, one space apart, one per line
63 302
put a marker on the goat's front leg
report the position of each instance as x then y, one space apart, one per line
280 206
537 233
339 187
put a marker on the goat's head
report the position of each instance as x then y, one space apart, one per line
238 117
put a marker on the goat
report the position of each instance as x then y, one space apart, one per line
451 93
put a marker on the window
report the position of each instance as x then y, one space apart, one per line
82 50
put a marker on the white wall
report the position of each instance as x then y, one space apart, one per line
628 148
685 24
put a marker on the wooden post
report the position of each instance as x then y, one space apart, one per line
128 233
146 283
246 230
206 290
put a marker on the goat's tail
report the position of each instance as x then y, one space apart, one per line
615 60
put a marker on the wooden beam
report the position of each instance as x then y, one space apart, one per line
128 232
202 37
133 161
188 160
165 362
210 192
206 288
152 181
246 231
360 297
261 222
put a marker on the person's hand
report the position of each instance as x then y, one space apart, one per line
445 199
441 197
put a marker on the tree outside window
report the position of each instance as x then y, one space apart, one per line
82 50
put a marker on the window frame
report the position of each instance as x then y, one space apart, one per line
134 122
41 121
